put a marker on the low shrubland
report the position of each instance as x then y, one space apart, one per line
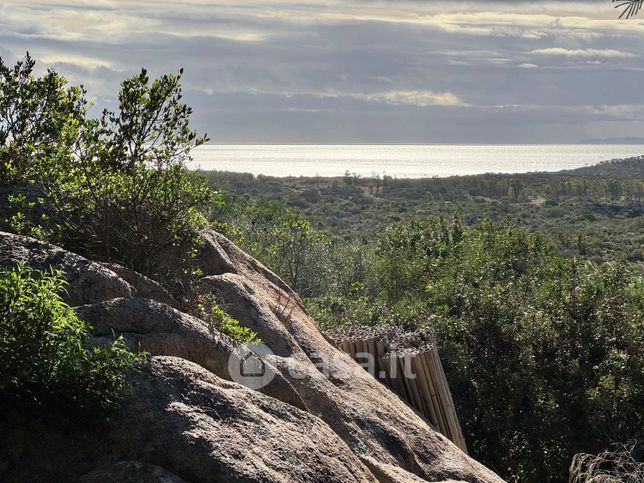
113 186
47 360
544 351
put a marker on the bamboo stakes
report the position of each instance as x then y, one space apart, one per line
410 380
423 386
443 423
352 349
434 403
457 434
382 373
428 407
394 375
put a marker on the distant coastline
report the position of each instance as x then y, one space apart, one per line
592 141
614 141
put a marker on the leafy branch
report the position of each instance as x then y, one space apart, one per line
630 7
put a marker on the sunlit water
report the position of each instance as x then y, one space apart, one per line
404 161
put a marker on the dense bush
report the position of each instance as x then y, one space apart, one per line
311 262
45 356
544 353
603 204
35 115
117 185
281 238
358 306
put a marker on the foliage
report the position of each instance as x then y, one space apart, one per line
118 185
35 113
26 217
358 307
281 238
45 353
593 211
544 353
224 323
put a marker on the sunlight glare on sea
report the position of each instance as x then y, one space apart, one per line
403 161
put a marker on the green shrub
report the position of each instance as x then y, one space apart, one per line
211 313
117 185
357 307
544 353
281 238
45 355
133 199
35 115
26 216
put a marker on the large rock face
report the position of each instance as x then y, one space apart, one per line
187 421
372 420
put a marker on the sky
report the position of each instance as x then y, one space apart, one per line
356 71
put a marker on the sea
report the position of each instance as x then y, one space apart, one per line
404 160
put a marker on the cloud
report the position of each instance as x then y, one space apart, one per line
602 53
348 70
417 98
75 60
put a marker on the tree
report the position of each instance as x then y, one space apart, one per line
132 197
34 115
118 186
630 7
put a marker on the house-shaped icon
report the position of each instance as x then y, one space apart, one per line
251 366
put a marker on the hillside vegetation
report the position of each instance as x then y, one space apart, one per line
594 211
124 316
112 187
532 284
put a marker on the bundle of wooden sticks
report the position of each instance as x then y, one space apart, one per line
408 363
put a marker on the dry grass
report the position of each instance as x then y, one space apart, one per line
611 466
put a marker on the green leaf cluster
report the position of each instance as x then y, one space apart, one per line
544 353
45 352
281 238
211 313
117 186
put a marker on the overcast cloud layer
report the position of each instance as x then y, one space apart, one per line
293 71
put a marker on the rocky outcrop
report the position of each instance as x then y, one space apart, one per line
191 424
372 420
321 418
88 282
159 329
144 286
209 426
389 474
